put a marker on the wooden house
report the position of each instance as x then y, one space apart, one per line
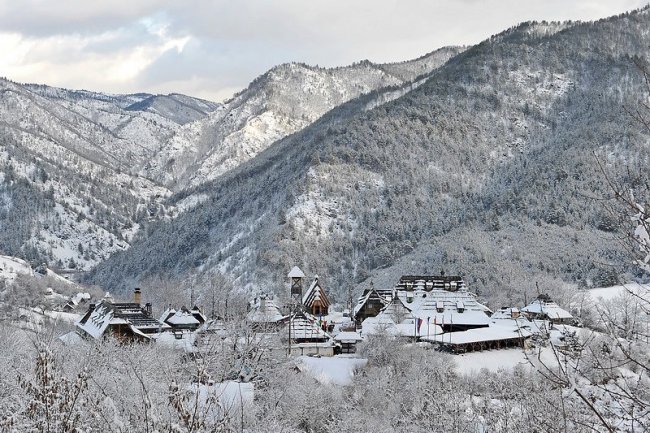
450 283
543 308
305 336
265 315
348 341
182 320
123 320
315 299
442 300
369 305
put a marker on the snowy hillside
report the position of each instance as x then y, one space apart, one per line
282 101
485 166
96 167
69 187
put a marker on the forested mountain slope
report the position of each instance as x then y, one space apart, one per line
84 171
70 191
493 153
280 102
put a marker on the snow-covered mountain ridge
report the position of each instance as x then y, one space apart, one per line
71 191
279 103
84 171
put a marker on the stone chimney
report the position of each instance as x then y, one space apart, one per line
137 296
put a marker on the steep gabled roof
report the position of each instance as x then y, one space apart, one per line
368 295
544 306
182 317
315 293
296 272
265 311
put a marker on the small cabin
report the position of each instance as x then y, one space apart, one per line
305 336
182 320
543 308
265 315
348 341
369 305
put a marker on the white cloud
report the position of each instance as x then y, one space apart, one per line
66 60
209 48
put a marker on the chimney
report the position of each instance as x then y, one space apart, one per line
137 296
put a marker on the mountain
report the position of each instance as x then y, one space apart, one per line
83 171
70 191
490 168
179 108
280 102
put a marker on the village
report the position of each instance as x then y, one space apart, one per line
435 310
295 354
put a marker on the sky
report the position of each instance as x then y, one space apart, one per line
214 48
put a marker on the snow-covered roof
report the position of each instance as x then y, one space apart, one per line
76 299
441 307
397 311
182 317
506 313
95 322
348 337
296 272
477 335
547 308
304 326
265 311
71 338
428 282
384 324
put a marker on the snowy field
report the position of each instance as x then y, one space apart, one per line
336 370
492 360
499 360
609 293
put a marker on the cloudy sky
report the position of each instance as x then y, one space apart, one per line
212 48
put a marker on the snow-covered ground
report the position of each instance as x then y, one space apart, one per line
505 359
11 267
492 360
609 293
336 370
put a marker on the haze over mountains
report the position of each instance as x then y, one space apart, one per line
479 161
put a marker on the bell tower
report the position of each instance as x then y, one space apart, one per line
296 275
